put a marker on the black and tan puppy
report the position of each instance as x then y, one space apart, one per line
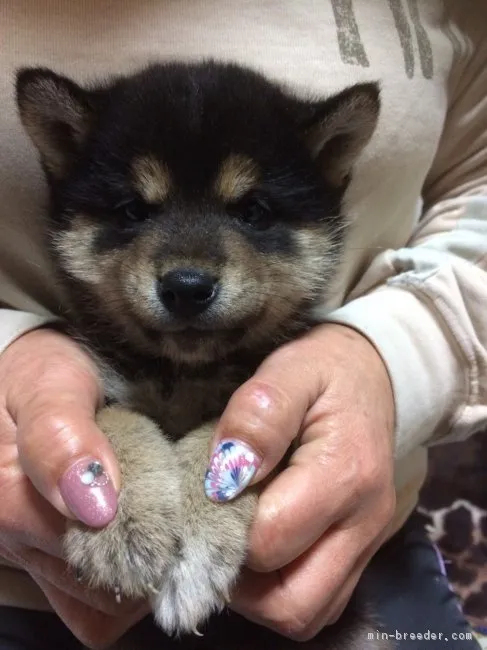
195 223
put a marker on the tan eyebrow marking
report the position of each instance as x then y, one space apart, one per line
152 179
238 174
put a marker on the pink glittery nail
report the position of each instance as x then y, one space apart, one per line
89 493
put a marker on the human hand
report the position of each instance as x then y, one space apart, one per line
49 393
322 518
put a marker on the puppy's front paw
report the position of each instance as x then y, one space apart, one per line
198 584
214 546
131 555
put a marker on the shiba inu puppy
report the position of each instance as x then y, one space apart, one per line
195 222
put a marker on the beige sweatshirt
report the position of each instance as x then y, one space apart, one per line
414 281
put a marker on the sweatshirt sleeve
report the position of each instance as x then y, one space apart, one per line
427 311
14 323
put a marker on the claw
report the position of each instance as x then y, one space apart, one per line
196 632
152 589
118 596
225 596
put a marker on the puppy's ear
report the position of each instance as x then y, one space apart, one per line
337 129
57 114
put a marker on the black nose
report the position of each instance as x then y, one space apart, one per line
187 292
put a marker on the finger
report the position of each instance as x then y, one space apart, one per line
333 610
313 493
22 503
61 449
291 601
260 422
311 592
56 573
326 481
93 628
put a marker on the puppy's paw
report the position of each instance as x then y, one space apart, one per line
130 556
215 537
197 586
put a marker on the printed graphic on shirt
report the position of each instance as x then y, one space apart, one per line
352 49
408 25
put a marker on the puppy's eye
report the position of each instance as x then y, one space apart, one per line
133 212
255 213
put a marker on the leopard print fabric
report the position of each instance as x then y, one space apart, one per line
454 506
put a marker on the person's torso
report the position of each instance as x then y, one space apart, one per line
316 47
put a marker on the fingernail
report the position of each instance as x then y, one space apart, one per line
89 493
232 466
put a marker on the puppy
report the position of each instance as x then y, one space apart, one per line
195 222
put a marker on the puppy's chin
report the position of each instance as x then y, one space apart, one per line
193 346
202 341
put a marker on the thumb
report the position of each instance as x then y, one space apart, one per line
261 420
61 450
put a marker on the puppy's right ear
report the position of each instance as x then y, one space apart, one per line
57 114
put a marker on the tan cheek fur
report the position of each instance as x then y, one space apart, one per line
75 249
122 280
138 276
273 285
243 291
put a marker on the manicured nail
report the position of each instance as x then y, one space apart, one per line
232 467
89 493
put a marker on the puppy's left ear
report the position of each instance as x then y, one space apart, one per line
337 129
57 114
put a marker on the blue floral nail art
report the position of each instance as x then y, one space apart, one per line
232 467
